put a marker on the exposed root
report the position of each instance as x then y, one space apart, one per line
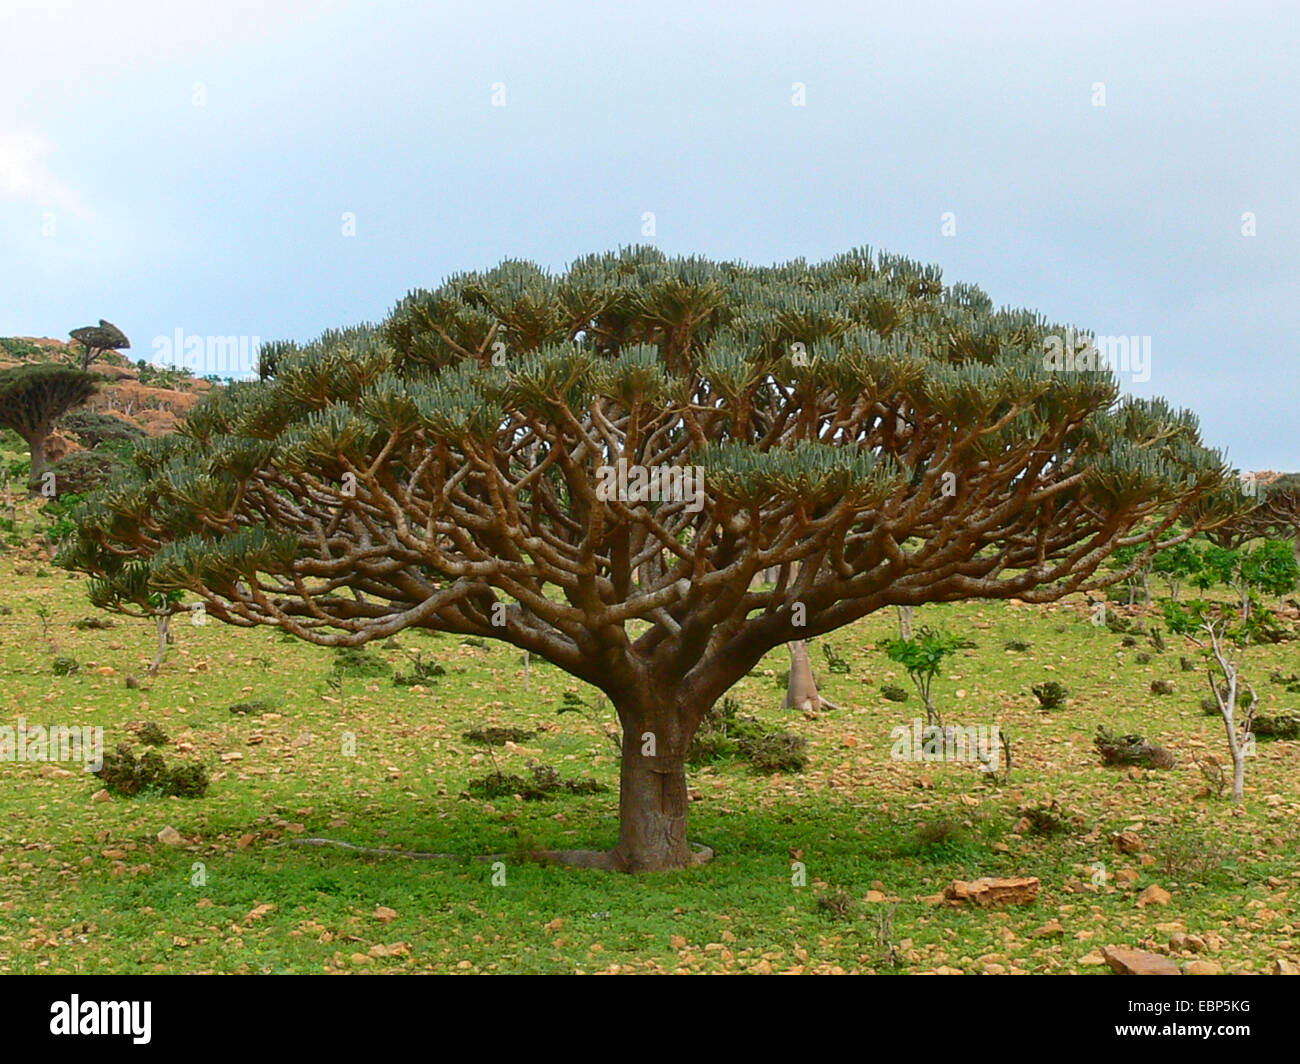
378 851
603 859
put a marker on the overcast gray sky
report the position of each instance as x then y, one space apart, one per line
170 166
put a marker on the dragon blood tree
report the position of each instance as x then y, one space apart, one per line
1276 512
872 437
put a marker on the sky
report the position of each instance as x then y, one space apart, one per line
272 169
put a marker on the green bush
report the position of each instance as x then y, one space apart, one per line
356 662
151 733
124 774
727 734
543 782
1276 726
498 736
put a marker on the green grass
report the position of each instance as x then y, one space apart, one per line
86 887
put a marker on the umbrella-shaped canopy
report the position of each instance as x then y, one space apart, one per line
102 337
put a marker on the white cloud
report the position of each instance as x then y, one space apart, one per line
25 174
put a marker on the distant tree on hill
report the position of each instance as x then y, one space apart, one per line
34 396
96 339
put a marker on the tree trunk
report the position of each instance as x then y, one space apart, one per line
653 805
40 464
905 623
163 623
801 689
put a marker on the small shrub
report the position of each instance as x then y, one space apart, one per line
92 624
727 734
1186 664
65 666
1051 694
1143 659
1117 623
423 671
359 663
834 662
1018 645
151 734
893 693
1276 726
1291 682
1162 687
838 905
188 780
1130 750
257 705
780 751
1191 856
1210 708
543 782
1046 819
943 831
124 774
498 736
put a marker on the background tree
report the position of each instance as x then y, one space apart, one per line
93 429
1270 568
801 691
34 396
1176 565
899 441
1275 512
923 656
1223 642
96 339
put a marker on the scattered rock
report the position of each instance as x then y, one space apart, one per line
1051 929
988 891
385 915
169 836
1154 895
1127 842
101 796
1282 966
1124 961
1202 968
